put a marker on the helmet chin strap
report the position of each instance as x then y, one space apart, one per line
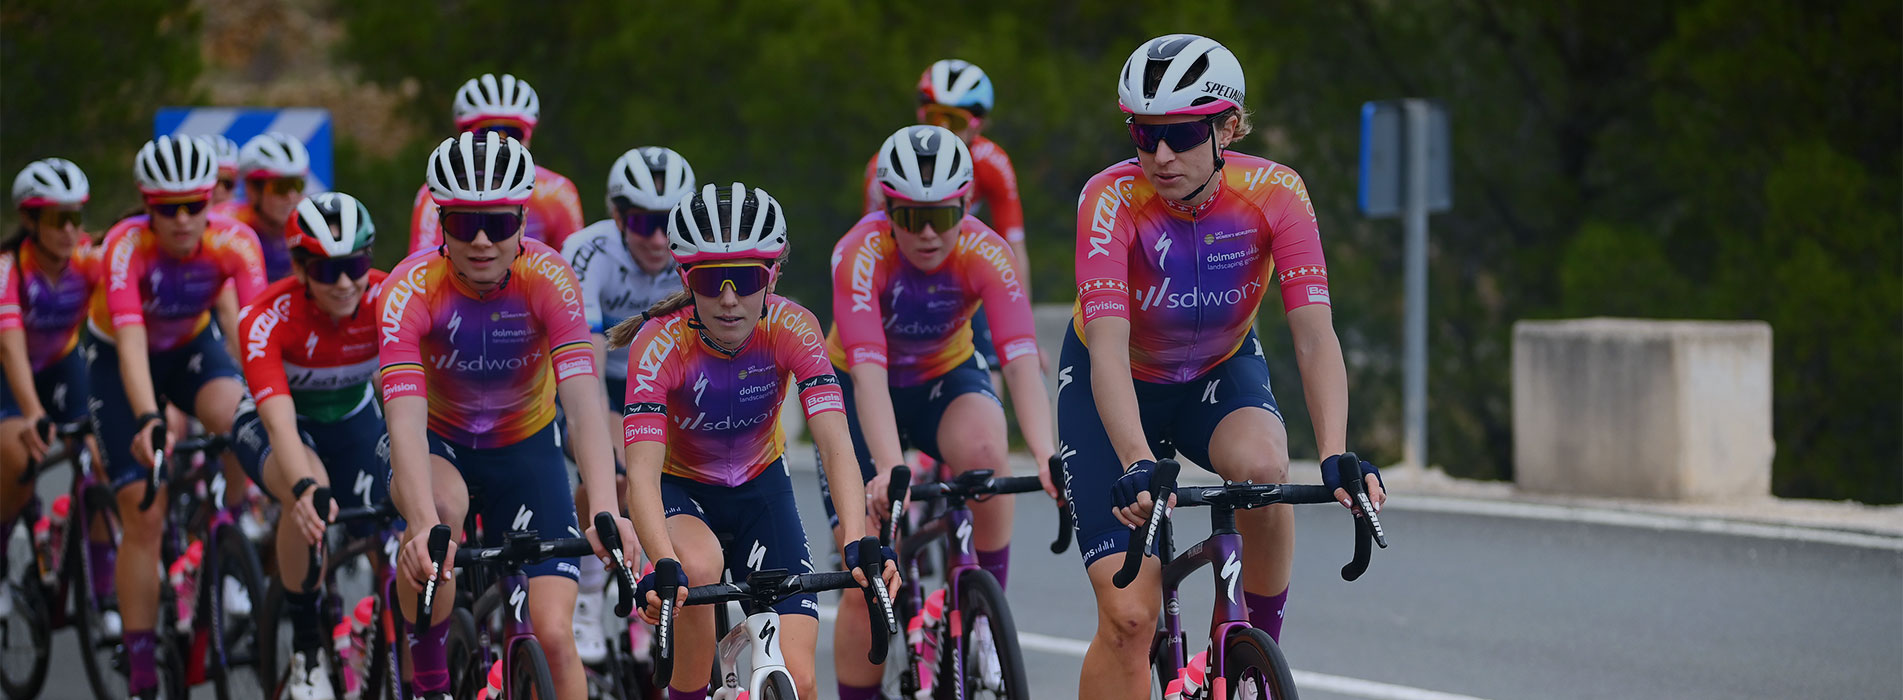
1212 174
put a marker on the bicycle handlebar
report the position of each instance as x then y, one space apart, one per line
610 536
156 477
53 432
762 589
898 485
320 502
438 548
1162 484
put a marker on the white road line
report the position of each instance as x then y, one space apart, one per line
1306 680
1654 521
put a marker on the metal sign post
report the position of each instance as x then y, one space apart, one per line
1406 171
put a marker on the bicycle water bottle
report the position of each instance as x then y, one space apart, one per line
494 689
922 633
1175 691
1190 681
361 628
341 641
183 576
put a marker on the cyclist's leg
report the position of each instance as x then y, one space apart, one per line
699 552
427 665
212 385
1246 440
13 458
856 678
1117 663
138 551
968 432
260 459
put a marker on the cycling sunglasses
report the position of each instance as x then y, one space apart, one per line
329 270
746 279
228 183
1181 136
942 218
464 225
642 222
169 210
63 218
953 118
511 130
280 185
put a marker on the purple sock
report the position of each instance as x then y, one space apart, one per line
1265 612
141 672
998 563
853 692
103 557
701 694
429 651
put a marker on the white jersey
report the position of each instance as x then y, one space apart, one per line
613 287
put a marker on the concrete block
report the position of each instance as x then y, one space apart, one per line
1676 410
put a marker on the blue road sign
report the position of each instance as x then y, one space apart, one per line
308 124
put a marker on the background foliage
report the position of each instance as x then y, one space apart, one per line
1730 159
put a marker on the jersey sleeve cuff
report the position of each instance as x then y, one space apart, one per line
644 426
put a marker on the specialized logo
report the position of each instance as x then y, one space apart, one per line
455 325
700 387
522 517
1220 90
1104 218
516 599
196 364
964 536
1232 573
1209 391
757 556
361 486
1163 250
1063 378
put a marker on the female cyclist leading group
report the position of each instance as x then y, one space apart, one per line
459 386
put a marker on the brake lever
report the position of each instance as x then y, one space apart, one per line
610 536
1162 484
1065 515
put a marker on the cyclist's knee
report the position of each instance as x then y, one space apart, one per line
140 528
1127 620
1262 467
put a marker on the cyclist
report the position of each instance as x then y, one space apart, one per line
906 283
506 105
310 355
957 95
47 268
705 450
152 337
479 338
275 168
224 194
1174 251
624 268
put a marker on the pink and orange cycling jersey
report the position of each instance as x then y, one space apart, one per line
994 186
1190 281
47 309
172 297
554 212
724 411
487 364
917 323
293 348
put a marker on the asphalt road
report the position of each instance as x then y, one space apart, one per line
1469 606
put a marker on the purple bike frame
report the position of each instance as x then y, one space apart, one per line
954 526
1222 552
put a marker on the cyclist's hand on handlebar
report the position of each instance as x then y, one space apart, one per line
142 445
39 438
1130 496
624 528
304 516
1044 476
413 562
890 573
876 505
1332 469
651 601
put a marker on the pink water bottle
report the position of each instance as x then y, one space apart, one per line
340 641
494 689
183 576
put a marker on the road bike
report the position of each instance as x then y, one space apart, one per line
365 647
56 568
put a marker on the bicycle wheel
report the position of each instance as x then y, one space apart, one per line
1254 667
98 652
778 686
529 678
24 635
987 659
233 665
273 640
467 674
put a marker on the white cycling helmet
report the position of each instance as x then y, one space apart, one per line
956 83
225 151
1180 74
491 96
179 165
480 170
649 177
731 223
50 182
274 154
330 225
924 164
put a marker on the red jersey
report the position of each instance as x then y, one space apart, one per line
917 323
1191 281
553 212
293 348
718 414
172 297
994 186
487 364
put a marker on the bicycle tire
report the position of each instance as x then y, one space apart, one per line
778 686
274 643
95 655
1252 660
233 665
529 677
33 638
467 676
981 598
